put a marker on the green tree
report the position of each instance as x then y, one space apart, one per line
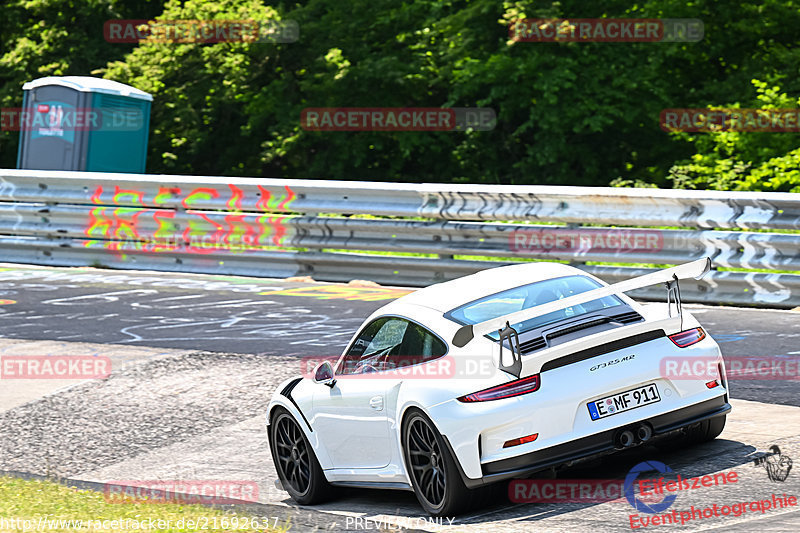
750 161
568 113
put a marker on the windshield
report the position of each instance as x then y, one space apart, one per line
531 295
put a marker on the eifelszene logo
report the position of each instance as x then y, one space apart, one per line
639 504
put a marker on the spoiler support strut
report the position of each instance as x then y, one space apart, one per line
515 368
674 296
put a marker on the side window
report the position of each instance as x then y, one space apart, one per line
388 343
419 345
379 339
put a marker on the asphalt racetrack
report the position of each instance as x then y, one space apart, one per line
196 357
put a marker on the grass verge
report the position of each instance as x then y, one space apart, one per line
37 505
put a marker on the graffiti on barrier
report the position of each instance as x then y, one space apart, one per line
131 223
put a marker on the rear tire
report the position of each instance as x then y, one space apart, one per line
432 468
297 466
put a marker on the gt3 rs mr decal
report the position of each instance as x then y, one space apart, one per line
612 362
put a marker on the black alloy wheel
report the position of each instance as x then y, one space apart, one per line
434 474
297 466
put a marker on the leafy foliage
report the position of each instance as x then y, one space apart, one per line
749 161
568 113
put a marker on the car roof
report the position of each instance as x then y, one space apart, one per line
450 294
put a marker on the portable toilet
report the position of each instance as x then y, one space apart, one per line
83 123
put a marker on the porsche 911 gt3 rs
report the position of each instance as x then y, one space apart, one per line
497 375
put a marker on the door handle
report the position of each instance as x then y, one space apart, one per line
376 402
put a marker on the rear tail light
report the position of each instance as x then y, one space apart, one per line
712 384
521 440
688 337
506 390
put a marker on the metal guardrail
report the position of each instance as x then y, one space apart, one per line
276 227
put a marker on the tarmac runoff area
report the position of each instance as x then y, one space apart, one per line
171 414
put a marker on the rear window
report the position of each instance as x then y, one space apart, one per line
531 295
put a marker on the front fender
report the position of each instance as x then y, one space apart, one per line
295 395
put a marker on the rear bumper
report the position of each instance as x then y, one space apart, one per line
593 446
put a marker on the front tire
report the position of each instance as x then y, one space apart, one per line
297 466
432 469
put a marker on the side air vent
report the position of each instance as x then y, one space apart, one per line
287 390
627 318
577 327
536 343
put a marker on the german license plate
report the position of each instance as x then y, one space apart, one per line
624 401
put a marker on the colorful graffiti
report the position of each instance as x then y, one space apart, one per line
342 292
173 222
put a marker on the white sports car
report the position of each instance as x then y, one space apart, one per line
493 376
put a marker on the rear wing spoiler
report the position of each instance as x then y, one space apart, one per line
696 269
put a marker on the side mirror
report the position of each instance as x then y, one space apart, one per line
324 374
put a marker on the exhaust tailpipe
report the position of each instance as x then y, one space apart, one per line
625 439
644 432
